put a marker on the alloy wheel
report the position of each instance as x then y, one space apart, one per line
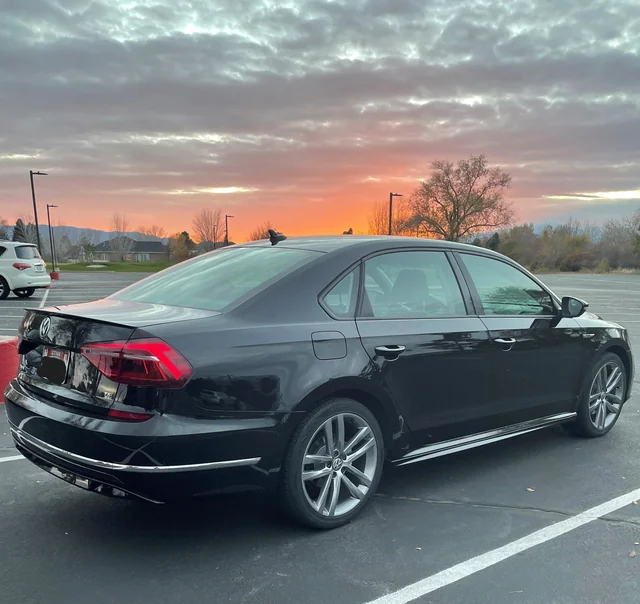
605 396
339 465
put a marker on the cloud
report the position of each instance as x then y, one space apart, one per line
294 102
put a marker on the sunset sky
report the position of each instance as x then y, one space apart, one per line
306 112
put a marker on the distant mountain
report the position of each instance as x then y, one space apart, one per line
96 236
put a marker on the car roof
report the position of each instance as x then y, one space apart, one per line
367 243
7 243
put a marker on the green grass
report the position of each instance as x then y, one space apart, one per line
117 267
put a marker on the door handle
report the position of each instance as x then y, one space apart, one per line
390 352
507 341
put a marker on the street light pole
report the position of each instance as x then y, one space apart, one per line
51 243
391 196
226 228
35 207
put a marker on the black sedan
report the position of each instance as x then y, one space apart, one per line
301 365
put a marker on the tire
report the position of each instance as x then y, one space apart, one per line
24 293
4 288
314 502
597 416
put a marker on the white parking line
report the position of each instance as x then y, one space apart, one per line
483 561
44 298
12 458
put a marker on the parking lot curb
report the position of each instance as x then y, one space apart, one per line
9 362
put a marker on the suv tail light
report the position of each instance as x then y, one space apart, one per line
149 362
21 266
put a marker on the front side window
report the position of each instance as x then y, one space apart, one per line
504 290
218 279
411 285
340 300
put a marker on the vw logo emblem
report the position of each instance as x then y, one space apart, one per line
337 463
45 326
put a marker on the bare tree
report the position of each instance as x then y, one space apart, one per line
153 232
261 231
462 199
120 241
400 224
88 237
156 231
207 227
4 229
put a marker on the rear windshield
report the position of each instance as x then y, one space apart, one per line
27 252
217 280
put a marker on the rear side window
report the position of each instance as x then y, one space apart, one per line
27 252
217 280
2 250
340 300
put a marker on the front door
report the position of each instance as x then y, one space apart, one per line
424 346
537 356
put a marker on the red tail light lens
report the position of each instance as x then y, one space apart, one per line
129 416
149 362
21 266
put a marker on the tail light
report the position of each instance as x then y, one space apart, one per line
129 416
21 266
149 362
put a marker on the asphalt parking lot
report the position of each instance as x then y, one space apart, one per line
458 529
73 288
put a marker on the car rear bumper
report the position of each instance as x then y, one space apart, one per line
139 459
24 281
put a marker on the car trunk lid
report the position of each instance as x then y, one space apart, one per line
58 344
28 259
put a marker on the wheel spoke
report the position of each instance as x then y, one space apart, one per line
361 476
593 406
612 407
614 379
361 451
360 434
353 489
328 435
322 499
340 435
601 415
315 474
335 494
318 458
601 380
614 398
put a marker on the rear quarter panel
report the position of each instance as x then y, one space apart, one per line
243 370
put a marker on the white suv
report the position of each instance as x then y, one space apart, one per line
22 270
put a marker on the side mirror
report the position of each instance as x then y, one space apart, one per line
573 307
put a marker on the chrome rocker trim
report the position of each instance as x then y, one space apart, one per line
27 440
456 445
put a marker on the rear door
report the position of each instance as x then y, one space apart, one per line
536 356
425 346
